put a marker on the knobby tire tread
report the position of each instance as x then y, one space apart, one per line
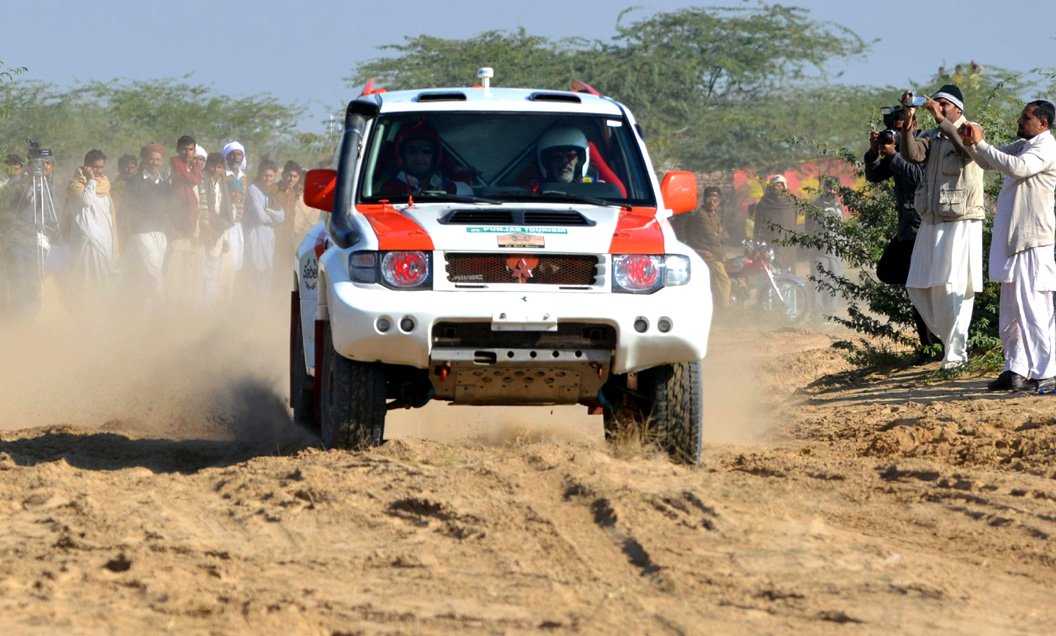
353 402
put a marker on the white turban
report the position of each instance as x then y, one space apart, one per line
234 145
200 152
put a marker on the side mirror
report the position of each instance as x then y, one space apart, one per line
679 189
320 186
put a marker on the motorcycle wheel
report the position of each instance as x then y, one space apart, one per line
792 306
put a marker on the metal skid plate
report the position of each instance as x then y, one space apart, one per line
516 385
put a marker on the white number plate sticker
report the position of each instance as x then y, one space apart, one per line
523 320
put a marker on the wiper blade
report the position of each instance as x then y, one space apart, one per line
457 198
558 194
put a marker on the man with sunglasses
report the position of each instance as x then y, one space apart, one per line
946 268
419 157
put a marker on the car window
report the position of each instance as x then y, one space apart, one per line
499 155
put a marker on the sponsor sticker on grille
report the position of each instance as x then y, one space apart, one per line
520 241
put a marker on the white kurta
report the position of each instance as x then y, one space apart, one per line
92 239
945 271
258 222
1028 279
146 263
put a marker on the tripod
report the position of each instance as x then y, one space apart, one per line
38 220
45 219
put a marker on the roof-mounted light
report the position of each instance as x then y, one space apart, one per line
485 74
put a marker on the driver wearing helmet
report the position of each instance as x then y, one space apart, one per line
564 156
419 154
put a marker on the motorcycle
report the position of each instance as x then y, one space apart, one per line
754 278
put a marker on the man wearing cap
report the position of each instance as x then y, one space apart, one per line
775 215
12 169
703 230
1021 247
946 268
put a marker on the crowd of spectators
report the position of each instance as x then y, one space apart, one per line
189 229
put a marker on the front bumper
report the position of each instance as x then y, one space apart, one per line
358 316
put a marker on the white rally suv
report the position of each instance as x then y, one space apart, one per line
497 246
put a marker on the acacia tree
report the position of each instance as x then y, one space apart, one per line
520 58
713 87
120 117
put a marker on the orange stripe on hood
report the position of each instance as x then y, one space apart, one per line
637 232
395 231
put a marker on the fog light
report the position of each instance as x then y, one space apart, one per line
641 325
664 325
383 325
407 324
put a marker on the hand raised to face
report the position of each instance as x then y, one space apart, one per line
971 133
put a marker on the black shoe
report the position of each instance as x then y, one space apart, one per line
1046 385
1010 381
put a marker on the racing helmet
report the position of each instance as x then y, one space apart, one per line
563 138
418 130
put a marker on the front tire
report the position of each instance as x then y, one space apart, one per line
668 399
302 399
353 400
677 414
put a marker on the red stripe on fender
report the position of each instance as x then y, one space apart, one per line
637 232
320 245
395 231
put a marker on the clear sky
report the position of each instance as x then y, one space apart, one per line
298 51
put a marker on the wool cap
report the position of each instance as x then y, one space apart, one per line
950 93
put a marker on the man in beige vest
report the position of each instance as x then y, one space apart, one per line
946 269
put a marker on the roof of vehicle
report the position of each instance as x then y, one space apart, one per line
494 99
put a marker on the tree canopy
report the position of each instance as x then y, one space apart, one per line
122 116
704 82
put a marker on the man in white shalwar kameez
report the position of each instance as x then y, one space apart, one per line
89 226
258 223
1021 248
231 260
946 269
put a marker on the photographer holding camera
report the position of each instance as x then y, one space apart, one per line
946 269
882 162
27 214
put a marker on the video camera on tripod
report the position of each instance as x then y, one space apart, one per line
45 218
39 156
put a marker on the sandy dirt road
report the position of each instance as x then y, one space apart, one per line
159 488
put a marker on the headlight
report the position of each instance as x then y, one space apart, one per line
405 270
398 270
676 270
644 274
637 273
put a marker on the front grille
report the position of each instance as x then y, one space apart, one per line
529 269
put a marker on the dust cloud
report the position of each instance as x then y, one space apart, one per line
215 372
222 373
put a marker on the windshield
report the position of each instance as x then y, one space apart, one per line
504 157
